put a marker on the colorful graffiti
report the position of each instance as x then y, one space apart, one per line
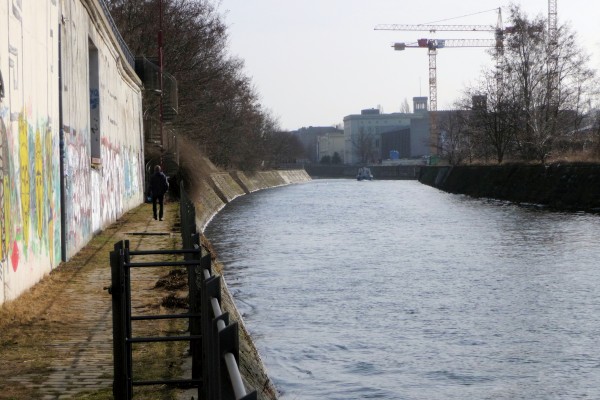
120 179
24 175
78 190
15 257
112 179
4 199
32 177
39 183
28 206
51 175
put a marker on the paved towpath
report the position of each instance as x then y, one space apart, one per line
56 339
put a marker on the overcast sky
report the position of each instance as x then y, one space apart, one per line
315 61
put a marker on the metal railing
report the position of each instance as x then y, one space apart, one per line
214 340
128 54
123 338
220 343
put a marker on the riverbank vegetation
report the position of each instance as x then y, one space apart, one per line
539 103
219 110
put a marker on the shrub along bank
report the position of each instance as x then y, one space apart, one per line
571 187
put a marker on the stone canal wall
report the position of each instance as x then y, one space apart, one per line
218 189
570 187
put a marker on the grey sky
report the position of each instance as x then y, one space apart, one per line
315 61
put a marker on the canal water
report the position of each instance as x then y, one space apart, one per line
395 290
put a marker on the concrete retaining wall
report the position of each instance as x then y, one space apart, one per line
559 186
221 188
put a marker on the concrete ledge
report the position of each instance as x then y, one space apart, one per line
569 187
220 188
225 186
207 204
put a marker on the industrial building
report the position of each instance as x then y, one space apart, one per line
371 136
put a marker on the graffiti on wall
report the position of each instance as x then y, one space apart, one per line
112 178
120 179
131 169
3 190
28 207
78 189
37 196
39 183
24 176
51 175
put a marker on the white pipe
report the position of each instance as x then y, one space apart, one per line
234 374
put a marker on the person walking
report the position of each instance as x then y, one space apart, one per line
158 187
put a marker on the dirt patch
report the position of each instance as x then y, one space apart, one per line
174 280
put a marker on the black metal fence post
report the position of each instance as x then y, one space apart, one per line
194 309
214 342
117 290
128 328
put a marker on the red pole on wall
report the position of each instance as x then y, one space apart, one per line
160 77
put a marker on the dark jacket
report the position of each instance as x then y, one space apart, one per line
158 184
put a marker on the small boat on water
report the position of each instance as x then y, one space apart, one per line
364 174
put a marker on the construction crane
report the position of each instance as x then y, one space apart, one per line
553 54
552 20
433 44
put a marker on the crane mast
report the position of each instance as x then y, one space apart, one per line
552 55
433 44
552 20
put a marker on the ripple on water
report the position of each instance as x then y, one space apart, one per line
396 290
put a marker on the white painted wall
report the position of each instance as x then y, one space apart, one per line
30 157
330 143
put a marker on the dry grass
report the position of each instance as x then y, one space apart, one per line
575 157
195 166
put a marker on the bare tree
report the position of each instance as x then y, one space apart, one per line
218 105
455 136
405 107
493 117
364 146
551 79
530 106
282 147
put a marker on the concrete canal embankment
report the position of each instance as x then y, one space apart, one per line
218 189
569 187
